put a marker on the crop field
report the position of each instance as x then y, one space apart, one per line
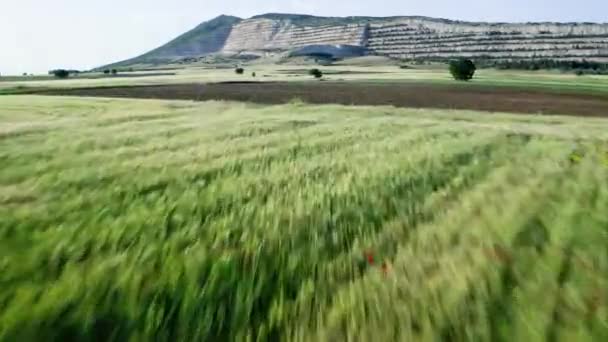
189 221
347 71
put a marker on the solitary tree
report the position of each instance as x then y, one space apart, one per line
114 71
316 73
462 69
61 73
239 71
106 71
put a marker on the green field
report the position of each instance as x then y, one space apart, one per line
182 221
355 70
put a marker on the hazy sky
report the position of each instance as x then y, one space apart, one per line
38 35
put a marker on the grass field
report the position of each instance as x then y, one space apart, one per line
349 71
168 220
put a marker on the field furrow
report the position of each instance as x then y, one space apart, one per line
180 221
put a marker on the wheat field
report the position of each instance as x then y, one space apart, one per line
181 221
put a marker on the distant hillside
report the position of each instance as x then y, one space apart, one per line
208 37
403 37
311 20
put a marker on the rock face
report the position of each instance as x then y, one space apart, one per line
399 37
428 38
272 35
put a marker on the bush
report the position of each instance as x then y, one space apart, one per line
107 71
239 71
61 73
547 64
253 74
462 69
316 73
114 71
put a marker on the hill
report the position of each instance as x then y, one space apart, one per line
208 37
403 37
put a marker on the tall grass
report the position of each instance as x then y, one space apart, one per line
151 220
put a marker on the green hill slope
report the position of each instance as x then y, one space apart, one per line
208 37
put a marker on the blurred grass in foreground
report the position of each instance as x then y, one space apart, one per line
166 220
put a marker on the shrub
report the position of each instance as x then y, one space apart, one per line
239 71
316 73
253 74
114 71
462 69
537 64
107 71
61 73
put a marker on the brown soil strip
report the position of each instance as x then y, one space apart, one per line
399 95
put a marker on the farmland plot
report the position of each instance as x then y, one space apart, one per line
169 220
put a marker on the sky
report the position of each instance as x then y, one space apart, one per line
40 35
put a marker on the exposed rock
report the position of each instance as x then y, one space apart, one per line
424 38
398 37
266 34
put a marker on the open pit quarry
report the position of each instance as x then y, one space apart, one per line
410 38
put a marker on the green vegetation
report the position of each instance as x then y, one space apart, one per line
208 37
366 69
580 67
462 69
61 73
316 73
239 71
183 221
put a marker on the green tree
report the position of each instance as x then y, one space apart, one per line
462 69
61 73
239 71
316 73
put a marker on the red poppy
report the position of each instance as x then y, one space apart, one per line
370 257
